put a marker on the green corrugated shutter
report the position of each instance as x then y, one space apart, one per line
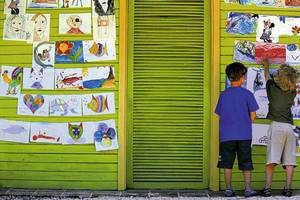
168 94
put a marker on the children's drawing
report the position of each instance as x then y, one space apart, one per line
296 107
241 23
14 131
69 52
48 132
291 26
34 105
43 54
297 135
17 27
244 51
105 135
41 28
292 3
79 133
98 77
260 134
68 78
97 104
268 29
75 23
265 2
14 7
11 81
292 54
42 4
276 53
74 3
240 1
38 78
97 51
65 105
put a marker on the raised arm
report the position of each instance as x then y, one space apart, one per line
266 64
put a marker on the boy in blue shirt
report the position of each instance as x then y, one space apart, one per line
237 109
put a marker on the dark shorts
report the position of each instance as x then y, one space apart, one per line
229 150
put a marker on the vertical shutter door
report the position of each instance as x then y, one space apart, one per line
168 94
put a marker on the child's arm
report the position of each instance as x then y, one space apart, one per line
253 116
266 64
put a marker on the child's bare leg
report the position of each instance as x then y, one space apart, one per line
289 171
269 175
247 179
228 177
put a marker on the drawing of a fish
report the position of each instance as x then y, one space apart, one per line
98 104
14 129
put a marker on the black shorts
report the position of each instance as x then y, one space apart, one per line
229 150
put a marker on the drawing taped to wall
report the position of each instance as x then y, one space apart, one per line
276 53
240 23
296 107
41 28
11 81
42 4
43 54
38 78
98 104
65 105
244 51
268 29
47 132
79 133
240 1
14 7
98 77
70 78
105 135
18 27
68 52
292 3
75 23
34 105
265 2
260 134
97 51
14 131
74 3
292 54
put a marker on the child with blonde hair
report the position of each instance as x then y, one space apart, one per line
281 148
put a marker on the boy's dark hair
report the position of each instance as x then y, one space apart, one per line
235 71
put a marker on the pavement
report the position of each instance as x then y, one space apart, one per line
129 195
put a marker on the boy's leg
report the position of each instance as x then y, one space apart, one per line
269 175
245 161
247 179
228 178
289 170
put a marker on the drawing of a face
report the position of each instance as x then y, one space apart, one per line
36 75
74 21
17 24
40 24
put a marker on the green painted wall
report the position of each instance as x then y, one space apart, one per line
46 165
226 46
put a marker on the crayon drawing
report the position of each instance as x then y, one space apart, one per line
79 133
11 81
105 135
17 27
14 7
98 77
292 54
97 104
244 51
42 4
292 3
265 2
268 29
65 105
97 51
74 3
296 107
297 135
292 26
241 23
34 105
41 28
260 134
14 131
75 23
240 1
69 52
43 54
48 132
68 78
38 78
276 53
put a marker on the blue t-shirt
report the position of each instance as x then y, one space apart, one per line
234 107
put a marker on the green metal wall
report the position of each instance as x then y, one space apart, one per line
168 94
226 46
54 166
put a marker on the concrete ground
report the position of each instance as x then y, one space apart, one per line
127 195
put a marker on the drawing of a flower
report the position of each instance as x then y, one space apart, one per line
295 30
64 47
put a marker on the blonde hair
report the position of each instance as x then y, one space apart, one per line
286 78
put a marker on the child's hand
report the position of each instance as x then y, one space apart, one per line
265 62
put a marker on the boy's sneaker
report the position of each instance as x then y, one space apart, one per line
229 193
266 192
287 192
249 193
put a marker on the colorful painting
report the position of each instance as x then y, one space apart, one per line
14 7
98 77
41 28
48 132
97 51
268 29
74 24
69 52
276 53
42 4
65 105
74 3
18 27
79 133
244 51
11 81
43 54
292 3
38 78
105 135
260 134
98 104
34 105
14 131
70 79
292 54
241 23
